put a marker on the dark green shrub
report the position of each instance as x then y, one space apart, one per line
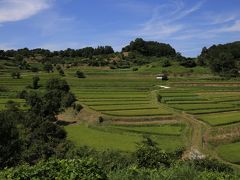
80 74
135 69
212 165
166 63
57 169
100 119
77 107
16 75
34 69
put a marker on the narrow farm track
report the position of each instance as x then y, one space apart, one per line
197 130
197 143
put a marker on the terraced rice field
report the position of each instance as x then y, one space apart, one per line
230 152
129 100
124 138
217 119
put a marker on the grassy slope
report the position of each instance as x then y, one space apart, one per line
131 87
230 152
125 141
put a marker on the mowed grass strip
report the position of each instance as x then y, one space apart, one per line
230 152
221 118
211 111
101 103
141 112
111 95
188 98
176 94
190 102
5 100
102 140
123 107
201 106
100 100
174 129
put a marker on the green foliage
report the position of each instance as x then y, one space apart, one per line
9 139
189 63
166 63
16 75
34 69
61 72
78 107
35 81
222 59
211 165
80 74
18 57
68 99
148 155
135 69
12 106
57 84
22 94
178 171
150 48
57 169
48 67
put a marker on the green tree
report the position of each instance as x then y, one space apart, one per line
149 155
16 75
75 169
61 72
80 74
35 81
18 58
9 139
166 63
12 106
48 67
57 84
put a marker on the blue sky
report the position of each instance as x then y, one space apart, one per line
188 25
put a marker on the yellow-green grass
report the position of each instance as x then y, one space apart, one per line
177 94
210 111
165 129
191 102
112 102
22 106
116 99
110 95
216 119
201 106
123 107
141 112
5 100
83 135
230 152
182 98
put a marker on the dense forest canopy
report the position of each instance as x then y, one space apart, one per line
222 59
84 52
150 48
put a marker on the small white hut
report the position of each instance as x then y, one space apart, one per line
162 77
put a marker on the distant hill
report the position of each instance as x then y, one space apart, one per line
223 59
150 48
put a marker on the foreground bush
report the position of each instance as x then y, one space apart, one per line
57 169
176 172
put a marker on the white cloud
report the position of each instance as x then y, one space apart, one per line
51 22
15 10
232 28
60 46
7 46
164 24
221 19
